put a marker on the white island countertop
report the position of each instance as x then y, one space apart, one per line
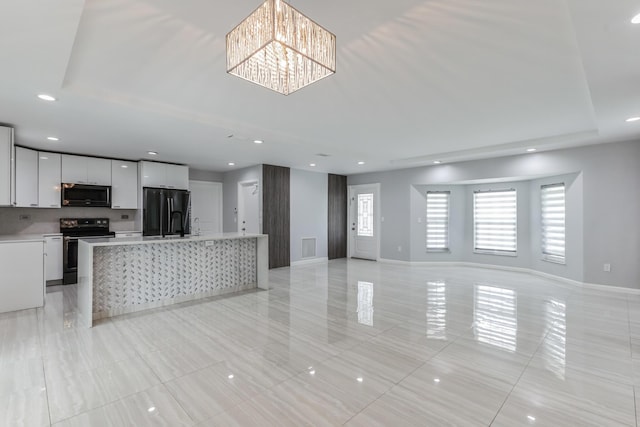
14 238
142 240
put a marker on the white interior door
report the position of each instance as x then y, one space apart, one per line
364 218
248 207
206 206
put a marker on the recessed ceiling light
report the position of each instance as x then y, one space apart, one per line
633 119
231 164
636 19
531 418
436 380
44 158
46 97
531 150
437 162
313 165
153 408
53 138
124 166
361 163
230 376
152 153
360 379
258 141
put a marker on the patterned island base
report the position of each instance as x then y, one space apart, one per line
118 276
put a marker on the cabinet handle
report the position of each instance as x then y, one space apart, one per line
116 207
54 206
33 204
56 238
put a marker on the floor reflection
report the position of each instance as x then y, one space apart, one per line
437 310
365 303
554 347
495 320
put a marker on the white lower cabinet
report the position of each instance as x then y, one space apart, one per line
53 260
22 267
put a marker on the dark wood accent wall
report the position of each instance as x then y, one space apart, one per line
337 216
276 213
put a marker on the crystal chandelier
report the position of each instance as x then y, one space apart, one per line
281 49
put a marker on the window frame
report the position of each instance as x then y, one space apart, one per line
549 257
497 252
446 249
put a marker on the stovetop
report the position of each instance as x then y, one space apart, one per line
79 227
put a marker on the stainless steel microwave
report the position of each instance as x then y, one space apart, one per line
81 195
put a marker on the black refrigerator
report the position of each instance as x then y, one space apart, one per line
165 212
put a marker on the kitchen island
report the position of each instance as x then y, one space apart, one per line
125 275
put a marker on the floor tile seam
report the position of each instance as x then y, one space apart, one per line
533 355
120 399
630 345
44 374
394 384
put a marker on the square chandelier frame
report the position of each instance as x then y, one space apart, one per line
279 48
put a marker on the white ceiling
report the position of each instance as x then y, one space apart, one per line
417 80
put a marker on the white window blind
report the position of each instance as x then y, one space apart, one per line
495 221
438 220
553 222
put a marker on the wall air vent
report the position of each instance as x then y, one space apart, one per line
309 247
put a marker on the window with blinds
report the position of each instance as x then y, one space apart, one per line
495 220
553 222
438 221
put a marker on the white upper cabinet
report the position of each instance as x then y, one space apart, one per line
177 177
98 171
49 180
163 175
152 174
86 170
74 169
7 172
124 185
26 177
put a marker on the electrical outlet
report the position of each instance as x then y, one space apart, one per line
24 217
419 220
399 248
209 243
607 268
124 216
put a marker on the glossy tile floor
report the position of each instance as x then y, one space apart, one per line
349 343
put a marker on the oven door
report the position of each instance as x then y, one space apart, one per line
70 260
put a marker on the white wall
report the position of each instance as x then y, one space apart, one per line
610 178
309 211
209 176
230 194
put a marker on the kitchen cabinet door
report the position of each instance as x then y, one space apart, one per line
98 171
74 169
49 179
26 177
124 185
22 284
177 177
7 172
153 174
53 260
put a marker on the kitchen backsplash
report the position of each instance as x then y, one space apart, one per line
42 221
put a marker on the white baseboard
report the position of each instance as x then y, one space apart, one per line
613 288
318 260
